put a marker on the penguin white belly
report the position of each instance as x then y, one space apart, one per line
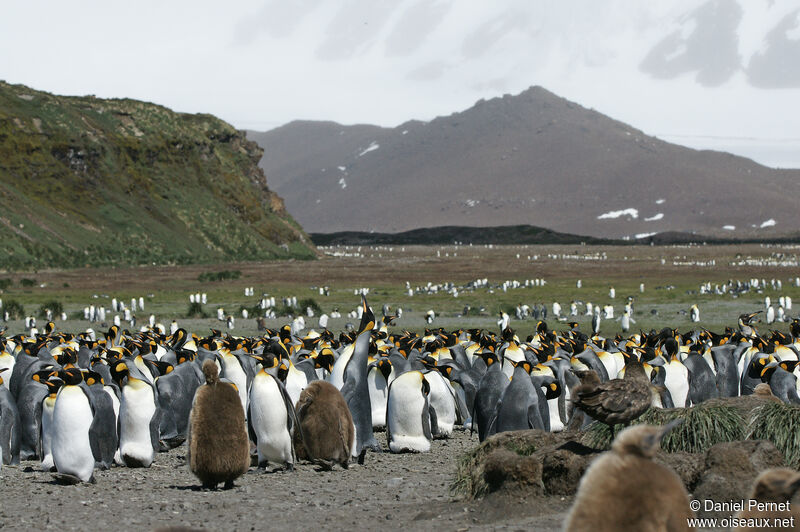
233 372
337 373
48 406
677 382
136 410
442 399
269 419
72 417
378 393
7 362
512 355
556 425
404 416
296 382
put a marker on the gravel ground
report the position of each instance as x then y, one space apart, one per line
406 491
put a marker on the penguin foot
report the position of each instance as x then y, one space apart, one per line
361 456
325 465
228 485
289 466
66 479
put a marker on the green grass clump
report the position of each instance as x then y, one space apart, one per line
27 283
303 304
224 275
196 310
703 426
780 424
5 284
14 308
54 306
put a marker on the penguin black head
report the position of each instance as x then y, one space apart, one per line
367 317
325 359
767 370
552 390
384 365
283 370
524 364
426 387
488 356
71 376
671 347
541 327
92 377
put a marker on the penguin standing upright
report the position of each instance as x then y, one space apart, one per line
355 389
518 408
9 425
139 416
219 451
48 407
378 380
490 388
74 445
272 420
408 414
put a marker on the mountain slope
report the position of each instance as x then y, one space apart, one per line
91 181
533 158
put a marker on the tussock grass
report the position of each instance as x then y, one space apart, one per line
703 426
780 424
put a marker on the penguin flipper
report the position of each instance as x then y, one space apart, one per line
155 421
292 423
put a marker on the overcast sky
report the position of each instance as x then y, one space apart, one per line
707 73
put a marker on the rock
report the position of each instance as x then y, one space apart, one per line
730 469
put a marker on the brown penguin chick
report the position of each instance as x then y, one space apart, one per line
326 425
219 450
764 391
615 401
771 498
624 489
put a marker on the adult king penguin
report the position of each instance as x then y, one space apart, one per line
356 390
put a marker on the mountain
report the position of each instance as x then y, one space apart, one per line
105 182
529 159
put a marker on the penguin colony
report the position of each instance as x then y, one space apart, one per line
76 404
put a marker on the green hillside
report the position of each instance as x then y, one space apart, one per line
87 181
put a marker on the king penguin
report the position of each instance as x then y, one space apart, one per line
408 414
272 420
218 446
74 453
617 491
9 425
139 416
490 389
355 389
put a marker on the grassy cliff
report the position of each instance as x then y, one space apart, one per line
86 181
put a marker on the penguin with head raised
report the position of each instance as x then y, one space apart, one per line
326 433
409 423
139 415
617 490
490 388
518 408
272 420
356 390
9 425
219 451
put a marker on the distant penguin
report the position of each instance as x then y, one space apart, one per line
694 313
774 490
327 429
219 451
355 389
9 425
272 421
617 491
408 414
